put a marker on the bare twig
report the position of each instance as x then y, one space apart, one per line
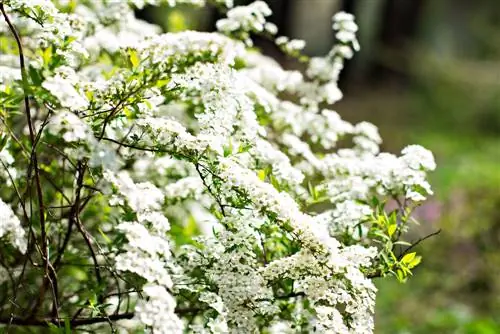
415 244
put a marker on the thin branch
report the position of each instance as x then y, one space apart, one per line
46 322
116 110
76 322
34 159
415 244
216 198
134 146
72 214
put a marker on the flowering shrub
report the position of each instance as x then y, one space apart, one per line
185 182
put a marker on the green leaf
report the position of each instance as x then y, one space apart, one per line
382 235
391 229
385 258
47 55
218 214
408 258
133 57
228 149
104 236
3 141
35 76
147 103
415 262
381 220
191 227
244 148
89 94
162 83
375 201
70 39
275 182
400 275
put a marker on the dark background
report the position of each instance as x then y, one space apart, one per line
429 73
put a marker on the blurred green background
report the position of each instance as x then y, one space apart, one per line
428 73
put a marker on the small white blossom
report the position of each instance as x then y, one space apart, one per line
10 227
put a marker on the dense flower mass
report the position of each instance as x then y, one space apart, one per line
187 183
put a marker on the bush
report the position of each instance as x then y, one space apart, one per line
162 182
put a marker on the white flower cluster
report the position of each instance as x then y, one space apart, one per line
64 31
226 110
139 197
385 174
163 50
114 27
9 70
71 127
63 86
290 46
270 76
269 156
146 256
231 267
316 279
158 311
141 3
148 252
188 187
10 228
251 18
346 216
266 198
346 28
7 172
328 69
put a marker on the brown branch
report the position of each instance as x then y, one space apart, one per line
76 322
76 220
147 149
17 321
414 244
88 241
72 216
207 186
115 110
34 162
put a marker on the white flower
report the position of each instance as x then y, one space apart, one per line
64 87
158 311
141 197
290 46
346 29
72 128
417 157
10 226
251 18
